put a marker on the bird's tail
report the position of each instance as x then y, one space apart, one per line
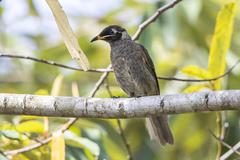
158 129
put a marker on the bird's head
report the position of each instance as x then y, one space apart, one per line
112 33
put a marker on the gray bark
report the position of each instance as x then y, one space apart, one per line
113 108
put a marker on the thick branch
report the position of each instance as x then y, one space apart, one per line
113 108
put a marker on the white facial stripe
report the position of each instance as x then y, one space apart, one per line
114 30
108 36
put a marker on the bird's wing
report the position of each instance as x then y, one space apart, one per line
149 63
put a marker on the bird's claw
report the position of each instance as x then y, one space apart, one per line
138 96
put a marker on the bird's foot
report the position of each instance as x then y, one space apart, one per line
138 96
115 97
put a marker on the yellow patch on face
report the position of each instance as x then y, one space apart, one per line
99 37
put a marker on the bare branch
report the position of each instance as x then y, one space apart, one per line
110 70
202 80
43 142
153 18
52 63
130 157
231 151
100 81
122 135
25 149
114 108
224 143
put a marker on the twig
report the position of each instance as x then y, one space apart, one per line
100 81
25 149
203 80
110 70
224 124
45 141
224 113
219 131
153 18
108 89
129 156
29 137
52 63
224 143
124 140
231 151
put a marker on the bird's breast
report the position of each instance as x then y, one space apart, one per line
130 70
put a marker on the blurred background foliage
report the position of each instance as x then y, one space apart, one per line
180 37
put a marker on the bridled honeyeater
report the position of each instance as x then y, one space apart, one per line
135 73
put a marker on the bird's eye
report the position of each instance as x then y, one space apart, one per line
111 32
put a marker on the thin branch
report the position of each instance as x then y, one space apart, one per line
203 80
110 70
43 142
153 18
25 149
224 124
219 131
124 140
100 81
224 143
129 156
230 152
108 89
52 63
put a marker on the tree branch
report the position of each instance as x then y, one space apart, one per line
202 80
224 143
153 18
52 63
43 142
100 81
230 152
114 108
106 71
129 156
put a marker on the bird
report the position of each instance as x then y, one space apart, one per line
135 73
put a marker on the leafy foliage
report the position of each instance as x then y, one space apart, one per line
219 47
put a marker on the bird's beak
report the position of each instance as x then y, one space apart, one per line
97 38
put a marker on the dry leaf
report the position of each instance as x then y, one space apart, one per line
67 34
58 146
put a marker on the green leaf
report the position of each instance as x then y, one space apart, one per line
6 126
41 92
89 155
73 140
221 41
195 71
13 135
30 126
194 88
2 156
